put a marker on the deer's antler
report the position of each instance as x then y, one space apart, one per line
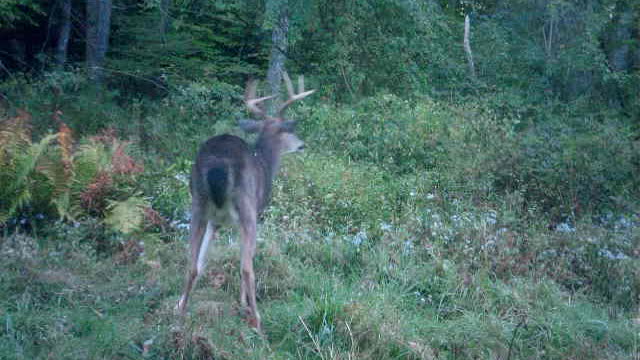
251 101
293 96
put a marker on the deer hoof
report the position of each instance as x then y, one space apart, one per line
254 322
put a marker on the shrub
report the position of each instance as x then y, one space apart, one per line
395 134
577 166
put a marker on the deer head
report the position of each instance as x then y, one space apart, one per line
278 131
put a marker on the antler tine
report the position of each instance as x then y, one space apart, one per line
251 101
293 97
287 82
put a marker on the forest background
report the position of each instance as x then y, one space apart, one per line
469 189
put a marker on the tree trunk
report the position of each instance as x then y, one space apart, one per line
279 45
98 27
467 46
619 39
164 19
64 30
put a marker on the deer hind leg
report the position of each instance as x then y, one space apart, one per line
248 278
199 241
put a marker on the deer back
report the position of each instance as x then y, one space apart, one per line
227 171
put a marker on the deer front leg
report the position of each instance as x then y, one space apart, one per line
248 278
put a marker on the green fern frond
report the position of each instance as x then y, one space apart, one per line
66 208
26 163
18 172
126 216
4 216
55 172
88 160
20 200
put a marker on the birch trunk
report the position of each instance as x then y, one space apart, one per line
279 43
467 46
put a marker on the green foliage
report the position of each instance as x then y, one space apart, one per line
22 182
362 48
17 12
571 170
168 186
71 95
336 193
560 165
204 41
214 100
398 135
42 176
126 216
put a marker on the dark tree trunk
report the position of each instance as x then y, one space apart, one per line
64 30
98 27
279 45
164 19
619 39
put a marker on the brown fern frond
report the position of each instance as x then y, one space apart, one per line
123 164
16 130
65 140
94 197
153 219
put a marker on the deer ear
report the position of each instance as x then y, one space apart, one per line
251 126
289 125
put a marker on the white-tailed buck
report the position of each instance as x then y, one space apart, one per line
230 185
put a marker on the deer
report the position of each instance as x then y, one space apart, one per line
231 184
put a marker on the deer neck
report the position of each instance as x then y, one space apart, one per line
267 151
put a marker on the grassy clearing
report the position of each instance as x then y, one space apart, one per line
323 295
429 247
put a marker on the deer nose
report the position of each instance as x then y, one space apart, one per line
301 147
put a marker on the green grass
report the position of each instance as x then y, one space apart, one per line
321 295
429 247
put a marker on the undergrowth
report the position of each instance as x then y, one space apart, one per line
407 230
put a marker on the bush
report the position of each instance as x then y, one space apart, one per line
562 166
395 134
577 166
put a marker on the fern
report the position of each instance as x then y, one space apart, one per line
26 163
73 184
18 175
88 161
67 208
126 216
